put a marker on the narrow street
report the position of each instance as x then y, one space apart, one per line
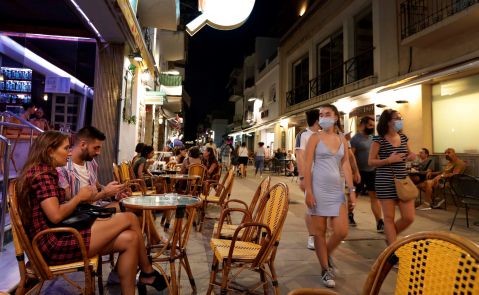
296 265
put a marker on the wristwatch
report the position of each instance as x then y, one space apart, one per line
351 189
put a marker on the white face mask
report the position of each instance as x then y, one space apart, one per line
326 122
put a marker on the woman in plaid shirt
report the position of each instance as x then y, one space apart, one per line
44 205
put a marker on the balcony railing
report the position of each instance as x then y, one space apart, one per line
352 70
417 15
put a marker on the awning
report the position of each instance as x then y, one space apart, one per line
170 80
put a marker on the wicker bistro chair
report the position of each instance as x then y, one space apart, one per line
466 194
429 263
255 210
255 248
127 176
195 186
221 193
134 187
37 269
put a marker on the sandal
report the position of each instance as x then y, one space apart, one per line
159 283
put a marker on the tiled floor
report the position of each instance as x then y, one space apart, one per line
296 265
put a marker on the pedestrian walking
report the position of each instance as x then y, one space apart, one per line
327 152
259 159
360 146
312 118
243 159
389 152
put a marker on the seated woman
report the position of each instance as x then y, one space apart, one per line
193 158
209 160
140 165
138 148
44 205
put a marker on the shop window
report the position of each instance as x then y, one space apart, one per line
454 113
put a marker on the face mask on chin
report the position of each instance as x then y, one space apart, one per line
368 131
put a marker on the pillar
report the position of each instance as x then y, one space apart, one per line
106 104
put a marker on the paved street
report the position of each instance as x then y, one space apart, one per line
297 266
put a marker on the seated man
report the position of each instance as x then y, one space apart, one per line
455 166
426 164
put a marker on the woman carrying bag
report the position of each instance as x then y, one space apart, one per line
389 152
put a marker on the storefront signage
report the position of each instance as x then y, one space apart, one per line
362 111
155 97
57 85
221 14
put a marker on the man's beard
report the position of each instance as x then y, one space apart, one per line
85 156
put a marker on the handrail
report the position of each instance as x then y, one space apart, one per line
6 170
26 123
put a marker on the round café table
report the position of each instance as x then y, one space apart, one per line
164 171
175 247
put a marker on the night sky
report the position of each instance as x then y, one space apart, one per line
213 54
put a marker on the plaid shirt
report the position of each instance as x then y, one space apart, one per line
56 248
69 176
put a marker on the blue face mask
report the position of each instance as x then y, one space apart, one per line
398 125
326 122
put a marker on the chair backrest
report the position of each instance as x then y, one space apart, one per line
21 239
116 173
276 204
465 186
171 165
261 192
228 186
125 171
429 263
198 170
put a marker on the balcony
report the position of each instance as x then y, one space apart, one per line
350 71
426 21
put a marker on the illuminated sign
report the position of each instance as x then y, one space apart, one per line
221 14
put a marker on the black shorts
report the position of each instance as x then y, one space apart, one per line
243 160
368 178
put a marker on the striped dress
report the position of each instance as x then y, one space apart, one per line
385 188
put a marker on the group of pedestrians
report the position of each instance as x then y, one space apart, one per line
327 173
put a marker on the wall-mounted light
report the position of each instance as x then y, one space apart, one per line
160 120
45 97
402 101
251 99
136 56
1 77
381 106
302 9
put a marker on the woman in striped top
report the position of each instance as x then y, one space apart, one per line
389 152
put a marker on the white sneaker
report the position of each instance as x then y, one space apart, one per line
327 279
310 245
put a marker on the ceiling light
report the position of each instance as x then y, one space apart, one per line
382 106
251 99
402 101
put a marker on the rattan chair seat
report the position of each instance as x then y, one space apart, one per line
243 251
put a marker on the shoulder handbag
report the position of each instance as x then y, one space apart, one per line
85 214
405 188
